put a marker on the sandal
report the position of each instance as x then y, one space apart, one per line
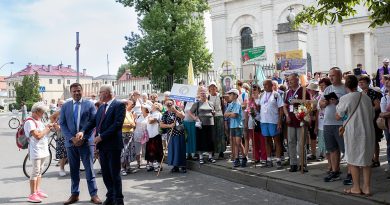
375 164
349 192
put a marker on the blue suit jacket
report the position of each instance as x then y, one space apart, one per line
68 126
111 127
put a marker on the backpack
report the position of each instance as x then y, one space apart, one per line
21 138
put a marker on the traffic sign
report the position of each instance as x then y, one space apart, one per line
42 89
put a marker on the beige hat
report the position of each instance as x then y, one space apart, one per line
246 85
235 91
313 86
386 60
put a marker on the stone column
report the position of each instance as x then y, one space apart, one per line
266 14
368 53
348 52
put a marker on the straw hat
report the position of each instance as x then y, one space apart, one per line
313 86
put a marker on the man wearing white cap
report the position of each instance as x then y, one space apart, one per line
384 70
234 112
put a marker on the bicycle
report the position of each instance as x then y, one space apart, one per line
27 166
14 122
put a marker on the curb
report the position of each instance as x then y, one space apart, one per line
304 192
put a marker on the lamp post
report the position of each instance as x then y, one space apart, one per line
6 64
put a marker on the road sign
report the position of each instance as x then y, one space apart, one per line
42 89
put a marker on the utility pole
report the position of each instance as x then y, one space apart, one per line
108 65
77 57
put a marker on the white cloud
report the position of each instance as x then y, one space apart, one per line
43 32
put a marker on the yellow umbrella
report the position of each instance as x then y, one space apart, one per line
190 75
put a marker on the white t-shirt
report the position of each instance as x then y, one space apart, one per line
153 129
243 98
321 115
385 101
37 148
270 103
137 107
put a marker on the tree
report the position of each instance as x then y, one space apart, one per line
172 32
28 91
328 11
122 69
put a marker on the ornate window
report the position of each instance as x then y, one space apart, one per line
246 38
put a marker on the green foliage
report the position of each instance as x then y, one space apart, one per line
29 90
172 32
122 69
330 11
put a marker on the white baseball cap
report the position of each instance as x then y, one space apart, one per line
386 60
235 91
213 83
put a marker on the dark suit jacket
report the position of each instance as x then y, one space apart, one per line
67 124
111 127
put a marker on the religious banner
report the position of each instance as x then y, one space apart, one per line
186 93
290 62
253 55
227 83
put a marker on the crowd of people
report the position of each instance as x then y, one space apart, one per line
340 123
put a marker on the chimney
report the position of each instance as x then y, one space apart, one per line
69 66
29 65
84 71
49 68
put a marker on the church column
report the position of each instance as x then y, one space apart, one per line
348 52
268 30
368 53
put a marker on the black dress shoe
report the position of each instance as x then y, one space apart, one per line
119 202
293 168
109 202
175 169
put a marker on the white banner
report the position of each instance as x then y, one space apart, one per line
186 93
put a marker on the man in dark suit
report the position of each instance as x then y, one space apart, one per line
75 114
108 122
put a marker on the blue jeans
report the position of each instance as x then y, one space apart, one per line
387 135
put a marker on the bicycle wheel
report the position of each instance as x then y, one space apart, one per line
14 123
27 165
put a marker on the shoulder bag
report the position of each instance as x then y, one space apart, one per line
342 128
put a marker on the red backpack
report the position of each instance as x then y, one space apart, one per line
21 138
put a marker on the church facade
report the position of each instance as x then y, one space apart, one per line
241 24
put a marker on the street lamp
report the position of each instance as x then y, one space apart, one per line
6 64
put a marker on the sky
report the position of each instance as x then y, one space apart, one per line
43 32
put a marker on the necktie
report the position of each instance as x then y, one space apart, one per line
101 119
76 114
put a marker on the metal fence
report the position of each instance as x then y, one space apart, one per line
159 85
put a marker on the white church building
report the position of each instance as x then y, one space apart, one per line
240 24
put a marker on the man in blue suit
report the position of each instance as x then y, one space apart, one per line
108 122
75 115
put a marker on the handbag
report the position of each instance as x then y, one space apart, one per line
381 123
145 137
342 128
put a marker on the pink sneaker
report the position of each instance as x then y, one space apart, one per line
34 198
41 194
